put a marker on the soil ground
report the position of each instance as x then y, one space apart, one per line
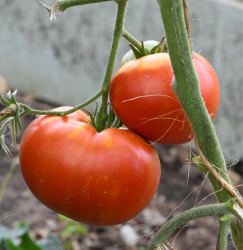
18 204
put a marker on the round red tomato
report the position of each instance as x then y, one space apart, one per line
142 98
96 178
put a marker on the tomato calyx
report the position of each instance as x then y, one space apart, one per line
159 48
98 124
147 48
13 112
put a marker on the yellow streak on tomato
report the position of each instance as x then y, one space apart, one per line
74 133
108 141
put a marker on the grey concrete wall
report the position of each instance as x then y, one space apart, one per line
65 60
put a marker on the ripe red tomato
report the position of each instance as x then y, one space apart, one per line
96 178
142 98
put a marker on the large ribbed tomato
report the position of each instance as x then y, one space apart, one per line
142 98
96 178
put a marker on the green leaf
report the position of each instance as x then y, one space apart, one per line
27 243
73 227
62 217
7 244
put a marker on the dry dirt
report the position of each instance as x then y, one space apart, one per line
18 204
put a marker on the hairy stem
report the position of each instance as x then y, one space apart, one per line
208 210
224 222
118 30
130 38
4 117
28 110
63 5
186 87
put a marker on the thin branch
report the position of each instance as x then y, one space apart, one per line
28 110
117 34
191 214
60 6
224 222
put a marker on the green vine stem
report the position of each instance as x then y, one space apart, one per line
118 30
224 222
28 110
197 212
60 6
186 87
63 5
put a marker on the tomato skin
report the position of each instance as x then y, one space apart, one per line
142 98
96 178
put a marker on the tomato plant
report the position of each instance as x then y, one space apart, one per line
96 178
142 98
87 169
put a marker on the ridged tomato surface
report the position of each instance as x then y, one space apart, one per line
96 178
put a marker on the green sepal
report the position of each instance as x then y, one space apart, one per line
4 147
143 51
99 120
96 108
15 124
154 50
13 100
117 124
91 117
4 101
17 118
111 118
135 52
8 96
13 131
160 48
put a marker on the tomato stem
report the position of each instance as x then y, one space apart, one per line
28 110
225 209
224 222
134 41
186 87
117 34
